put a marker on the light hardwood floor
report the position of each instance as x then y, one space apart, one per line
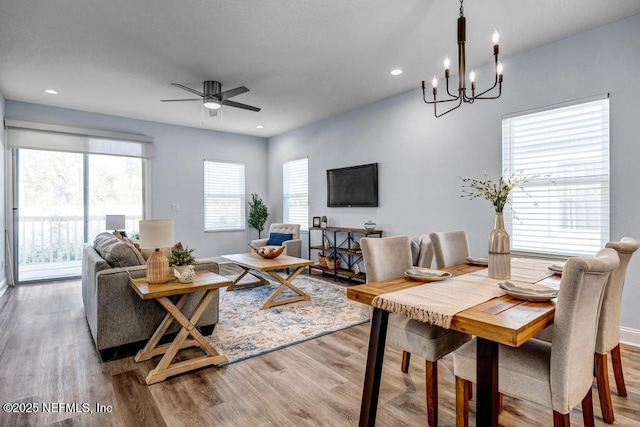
47 356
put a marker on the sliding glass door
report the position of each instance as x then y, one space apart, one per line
61 202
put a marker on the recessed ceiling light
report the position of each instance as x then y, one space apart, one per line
259 127
396 72
51 91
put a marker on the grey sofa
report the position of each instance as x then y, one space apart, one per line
116 315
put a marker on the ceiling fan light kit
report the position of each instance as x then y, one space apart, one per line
213 98
462 95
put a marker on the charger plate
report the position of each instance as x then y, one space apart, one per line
532 292
426 274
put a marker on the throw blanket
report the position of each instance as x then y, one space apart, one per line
438 302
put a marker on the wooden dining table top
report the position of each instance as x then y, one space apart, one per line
503 319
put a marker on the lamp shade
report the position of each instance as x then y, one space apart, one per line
156 233
114 222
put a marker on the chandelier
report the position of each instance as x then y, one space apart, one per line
462 95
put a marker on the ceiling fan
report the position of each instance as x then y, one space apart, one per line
213 98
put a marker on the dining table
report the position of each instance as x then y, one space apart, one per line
501 319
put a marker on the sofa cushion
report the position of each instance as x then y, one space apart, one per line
277 239
116 252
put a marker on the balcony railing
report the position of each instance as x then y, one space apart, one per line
51 247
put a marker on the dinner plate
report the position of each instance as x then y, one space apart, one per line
556 268
530 293
478 260
426 274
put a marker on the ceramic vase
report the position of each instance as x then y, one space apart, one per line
499 250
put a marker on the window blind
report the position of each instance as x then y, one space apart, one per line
224 196
564 209
40 136
295 193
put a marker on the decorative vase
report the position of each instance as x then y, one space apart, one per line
499 250
184 273
370 225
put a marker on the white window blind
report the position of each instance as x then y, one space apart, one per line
40 136
295 193
564 210
224 198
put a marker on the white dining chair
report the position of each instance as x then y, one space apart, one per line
450 247
557 375
388 258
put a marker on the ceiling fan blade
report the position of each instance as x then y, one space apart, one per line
188 89
231 93
239 105
177 100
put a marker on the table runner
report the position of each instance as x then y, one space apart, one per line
438 302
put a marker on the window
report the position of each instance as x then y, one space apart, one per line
564 210
224 203
295 193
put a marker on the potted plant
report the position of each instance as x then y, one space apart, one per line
257 213
323 223
182 260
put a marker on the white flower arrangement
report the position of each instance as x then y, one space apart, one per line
497 192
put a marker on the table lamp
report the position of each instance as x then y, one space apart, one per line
156 234
114 222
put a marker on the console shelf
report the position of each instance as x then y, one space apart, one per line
341 240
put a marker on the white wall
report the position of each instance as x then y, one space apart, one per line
421 158
177 170
3 262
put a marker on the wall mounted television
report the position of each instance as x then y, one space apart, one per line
355 186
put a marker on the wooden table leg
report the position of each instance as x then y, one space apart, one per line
285 283
375 357
487 375
235 285
165 367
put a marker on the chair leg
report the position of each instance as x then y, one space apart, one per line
561 420
462 402
431 377
616 361
604 392
406 357
587 410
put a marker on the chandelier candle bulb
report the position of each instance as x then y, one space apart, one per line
495 38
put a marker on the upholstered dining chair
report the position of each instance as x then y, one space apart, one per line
558 375
450 247
388 258
608 339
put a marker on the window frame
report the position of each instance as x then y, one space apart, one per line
242 224
561 180
287 197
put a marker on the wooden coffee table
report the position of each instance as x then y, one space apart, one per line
255 262
204 281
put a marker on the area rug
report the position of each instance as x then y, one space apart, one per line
244 330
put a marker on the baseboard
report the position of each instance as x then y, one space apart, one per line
630 336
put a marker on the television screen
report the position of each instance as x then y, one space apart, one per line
355 186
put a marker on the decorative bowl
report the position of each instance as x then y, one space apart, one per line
185 274
268 252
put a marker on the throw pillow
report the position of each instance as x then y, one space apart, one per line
121 254
277 239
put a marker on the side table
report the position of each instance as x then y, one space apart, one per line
204 281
